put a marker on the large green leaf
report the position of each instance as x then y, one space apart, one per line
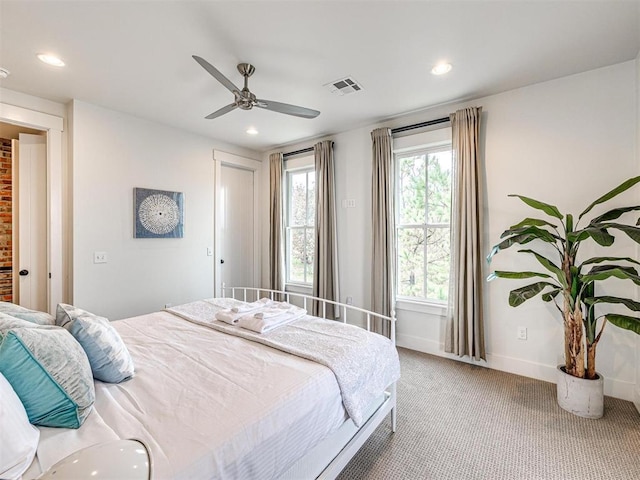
608 259
548 296
609 195
522 294
615 271
549 265
630 304
632 232
515 275
613 214
600 235
545 207
532 222
517 239
605 268
541 233
624 321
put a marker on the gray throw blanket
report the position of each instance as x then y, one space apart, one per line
363 362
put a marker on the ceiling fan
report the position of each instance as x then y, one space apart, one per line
244 99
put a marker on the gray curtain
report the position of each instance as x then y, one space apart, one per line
325 266
465 329
276 272
383 228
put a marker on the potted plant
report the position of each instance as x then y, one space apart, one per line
570 283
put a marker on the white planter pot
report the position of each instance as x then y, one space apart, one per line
581 396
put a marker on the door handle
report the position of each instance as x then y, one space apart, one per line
221 261
23 273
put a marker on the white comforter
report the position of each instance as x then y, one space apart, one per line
364 363
196 402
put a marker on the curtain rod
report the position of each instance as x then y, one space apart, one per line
420 125
298 152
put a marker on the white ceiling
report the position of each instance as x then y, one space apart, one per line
135 56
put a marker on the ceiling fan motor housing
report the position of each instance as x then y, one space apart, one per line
246 100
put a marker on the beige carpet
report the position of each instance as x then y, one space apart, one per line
459 421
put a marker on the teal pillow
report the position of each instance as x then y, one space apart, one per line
33 316
108 355
50 373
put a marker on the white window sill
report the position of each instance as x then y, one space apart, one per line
438 309
298 288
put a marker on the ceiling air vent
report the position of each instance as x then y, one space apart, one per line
344 86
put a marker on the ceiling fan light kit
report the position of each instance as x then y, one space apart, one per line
244 99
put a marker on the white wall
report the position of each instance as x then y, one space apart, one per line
565 142
111 154
636 398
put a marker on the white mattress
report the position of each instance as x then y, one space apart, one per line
207 404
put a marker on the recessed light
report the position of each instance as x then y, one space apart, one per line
441 69
50 59
252 131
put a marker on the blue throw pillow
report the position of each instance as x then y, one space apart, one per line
108 355
50 373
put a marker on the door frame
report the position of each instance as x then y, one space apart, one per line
221 158
53 126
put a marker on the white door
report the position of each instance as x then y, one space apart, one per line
237 226
30 204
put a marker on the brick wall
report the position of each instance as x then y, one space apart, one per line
6 248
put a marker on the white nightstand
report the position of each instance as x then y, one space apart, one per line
117 460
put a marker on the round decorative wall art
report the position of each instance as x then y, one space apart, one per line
158 213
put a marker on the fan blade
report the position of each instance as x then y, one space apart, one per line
215 73
288 109
222 111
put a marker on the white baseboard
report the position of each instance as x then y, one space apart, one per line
613 388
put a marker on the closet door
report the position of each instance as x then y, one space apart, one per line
237 226
30 269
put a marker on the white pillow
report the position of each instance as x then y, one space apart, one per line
18 438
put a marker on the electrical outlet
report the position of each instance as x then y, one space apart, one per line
209 252
99 257
522 333
349 300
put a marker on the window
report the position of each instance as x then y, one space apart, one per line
423 223
300 225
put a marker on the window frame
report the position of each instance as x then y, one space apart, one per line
440 142
296 167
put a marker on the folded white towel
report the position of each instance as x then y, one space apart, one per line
275 310
228 316
250 307
263 308
261 324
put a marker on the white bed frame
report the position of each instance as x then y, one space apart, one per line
329 458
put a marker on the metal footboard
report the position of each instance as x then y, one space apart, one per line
335 464
247 294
